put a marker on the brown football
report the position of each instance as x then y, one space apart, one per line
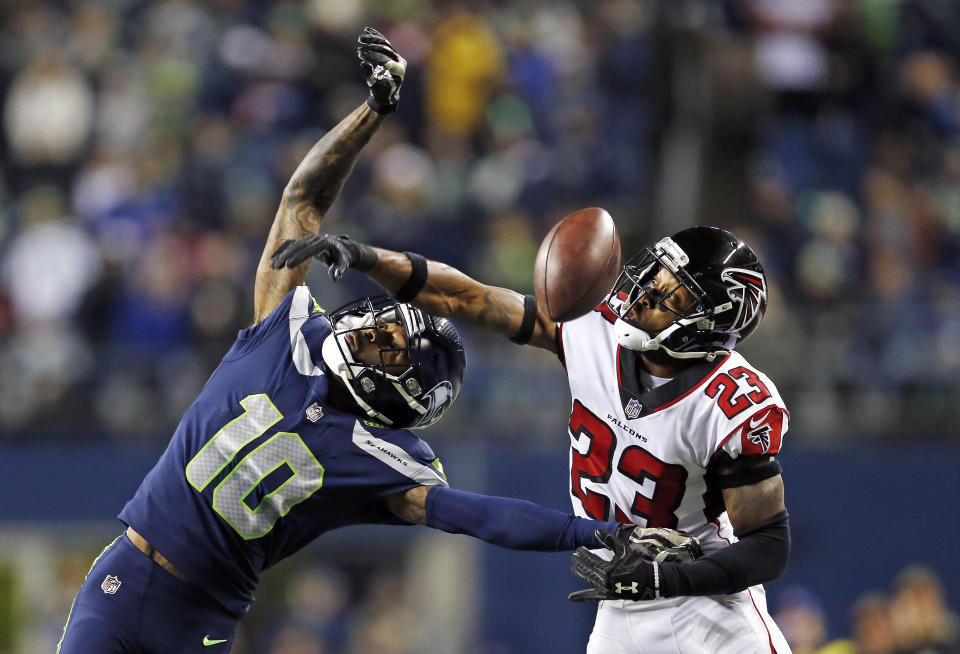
577 264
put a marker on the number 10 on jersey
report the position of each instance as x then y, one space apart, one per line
304 474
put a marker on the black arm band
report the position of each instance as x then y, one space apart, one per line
529 320
748 476
760 555
414 283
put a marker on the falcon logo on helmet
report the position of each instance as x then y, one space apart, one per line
748 290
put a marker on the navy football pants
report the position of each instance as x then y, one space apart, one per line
149 611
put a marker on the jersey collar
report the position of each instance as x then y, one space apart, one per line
638 402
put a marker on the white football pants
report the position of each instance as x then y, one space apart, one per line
726 624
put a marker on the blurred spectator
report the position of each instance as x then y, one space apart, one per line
292 640
922 623
318 613
383 621
463 66
51 261
872 628
48 112
800 617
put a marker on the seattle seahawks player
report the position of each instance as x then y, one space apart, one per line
301 429
669 427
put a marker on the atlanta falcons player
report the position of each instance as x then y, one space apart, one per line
669 426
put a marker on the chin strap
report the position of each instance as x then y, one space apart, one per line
638 340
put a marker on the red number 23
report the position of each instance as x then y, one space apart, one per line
664 483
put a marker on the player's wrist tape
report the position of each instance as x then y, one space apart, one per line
656 580
746 477
525 333
380 108
365 257
417 279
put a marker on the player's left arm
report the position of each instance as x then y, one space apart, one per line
754 498
317 181
752 504
508 522
753 491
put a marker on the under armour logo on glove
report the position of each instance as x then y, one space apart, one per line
634 567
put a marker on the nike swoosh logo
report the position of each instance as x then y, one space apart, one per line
207 641
763 418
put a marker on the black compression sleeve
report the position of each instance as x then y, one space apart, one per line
760 555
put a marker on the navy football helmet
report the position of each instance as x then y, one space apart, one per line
411 395
723 276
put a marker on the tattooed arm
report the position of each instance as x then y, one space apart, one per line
308 195
452 294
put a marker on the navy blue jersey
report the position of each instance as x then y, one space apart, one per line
260 465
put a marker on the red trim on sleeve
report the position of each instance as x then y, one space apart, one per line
606 312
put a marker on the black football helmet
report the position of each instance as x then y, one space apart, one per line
407 396
721 273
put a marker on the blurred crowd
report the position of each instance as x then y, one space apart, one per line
912 618
144 147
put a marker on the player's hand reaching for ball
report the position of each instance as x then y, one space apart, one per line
337 252
632 571
384 69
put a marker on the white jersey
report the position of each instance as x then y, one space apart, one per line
644 456
649 456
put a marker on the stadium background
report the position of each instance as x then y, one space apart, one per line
143 149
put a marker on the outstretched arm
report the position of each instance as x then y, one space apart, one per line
317 181
504 521
452 294
441 290
308 195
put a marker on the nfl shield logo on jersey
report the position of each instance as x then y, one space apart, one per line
633 408
314 412
110 585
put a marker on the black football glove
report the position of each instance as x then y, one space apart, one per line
630 573
337 252
383 68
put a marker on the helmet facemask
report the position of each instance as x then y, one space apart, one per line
403 389
691 334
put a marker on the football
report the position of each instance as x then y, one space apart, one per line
577 264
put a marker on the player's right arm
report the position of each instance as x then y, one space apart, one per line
437 289
504 521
